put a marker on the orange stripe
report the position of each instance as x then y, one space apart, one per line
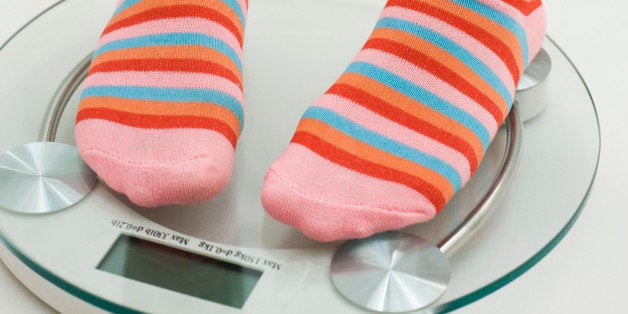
484 23
169 52
414 108
374 155
146 107
446 59
147 5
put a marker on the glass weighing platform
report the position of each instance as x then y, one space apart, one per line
228 255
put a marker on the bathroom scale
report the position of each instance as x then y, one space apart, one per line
99 252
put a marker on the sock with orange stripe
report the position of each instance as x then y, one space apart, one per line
408 122
162 105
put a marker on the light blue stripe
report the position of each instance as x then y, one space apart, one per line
235 6
168 94
384 143
452 47
502 19
423 96
126 4
172 39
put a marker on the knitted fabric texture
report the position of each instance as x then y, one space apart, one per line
408 122
162 105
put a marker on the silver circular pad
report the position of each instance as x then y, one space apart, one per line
536 72
391 272
43 177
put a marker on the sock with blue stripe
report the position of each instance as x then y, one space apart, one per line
162 105
407 124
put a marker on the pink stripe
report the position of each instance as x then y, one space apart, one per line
468 42
165 79
175 25
329 202
506 9
536 30
243 6
196 163
534 24
423 78
397 132
166 146
313 175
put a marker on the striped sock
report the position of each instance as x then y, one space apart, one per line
162 105
408 122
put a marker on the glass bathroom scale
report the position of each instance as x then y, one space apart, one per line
228 255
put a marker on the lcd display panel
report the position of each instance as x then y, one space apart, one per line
173 269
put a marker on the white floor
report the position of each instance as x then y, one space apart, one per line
586 272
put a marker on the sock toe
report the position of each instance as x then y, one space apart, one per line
345 204
154 184
183 166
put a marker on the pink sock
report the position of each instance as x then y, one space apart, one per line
162 107
409 121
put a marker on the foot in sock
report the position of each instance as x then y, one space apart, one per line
408 122
162 105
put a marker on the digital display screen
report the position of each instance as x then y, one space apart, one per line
169 268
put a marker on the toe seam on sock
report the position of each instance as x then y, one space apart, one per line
305 194
157 163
